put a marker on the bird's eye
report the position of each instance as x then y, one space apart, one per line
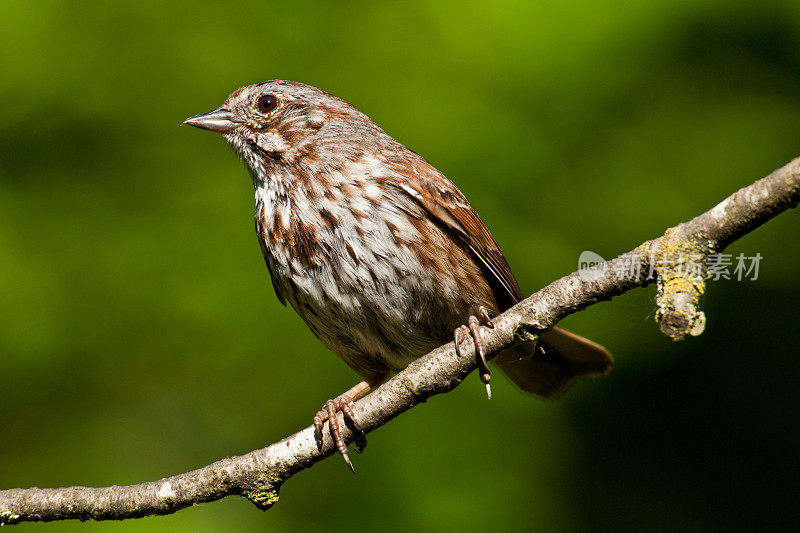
267 103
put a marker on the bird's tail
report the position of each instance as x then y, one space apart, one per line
547 366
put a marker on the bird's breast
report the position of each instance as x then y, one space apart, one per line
365 267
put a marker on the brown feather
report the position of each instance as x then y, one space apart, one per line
441 198
561 355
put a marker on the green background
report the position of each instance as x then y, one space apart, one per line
140 336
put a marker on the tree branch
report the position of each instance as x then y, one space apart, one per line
678 261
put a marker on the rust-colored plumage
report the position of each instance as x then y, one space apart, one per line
379 253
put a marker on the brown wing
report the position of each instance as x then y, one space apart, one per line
441 198
542 368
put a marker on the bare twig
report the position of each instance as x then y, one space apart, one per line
259 475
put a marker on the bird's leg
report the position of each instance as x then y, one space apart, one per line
344 403
473 329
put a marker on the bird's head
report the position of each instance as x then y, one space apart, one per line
285 123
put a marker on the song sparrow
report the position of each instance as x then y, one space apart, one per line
378 252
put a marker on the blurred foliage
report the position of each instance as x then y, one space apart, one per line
139 335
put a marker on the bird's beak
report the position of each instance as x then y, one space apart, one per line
219 120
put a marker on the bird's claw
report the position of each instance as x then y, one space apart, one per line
329 412
473 329
483 314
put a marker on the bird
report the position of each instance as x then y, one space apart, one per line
378 252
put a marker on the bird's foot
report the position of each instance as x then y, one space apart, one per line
472 328
344 404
